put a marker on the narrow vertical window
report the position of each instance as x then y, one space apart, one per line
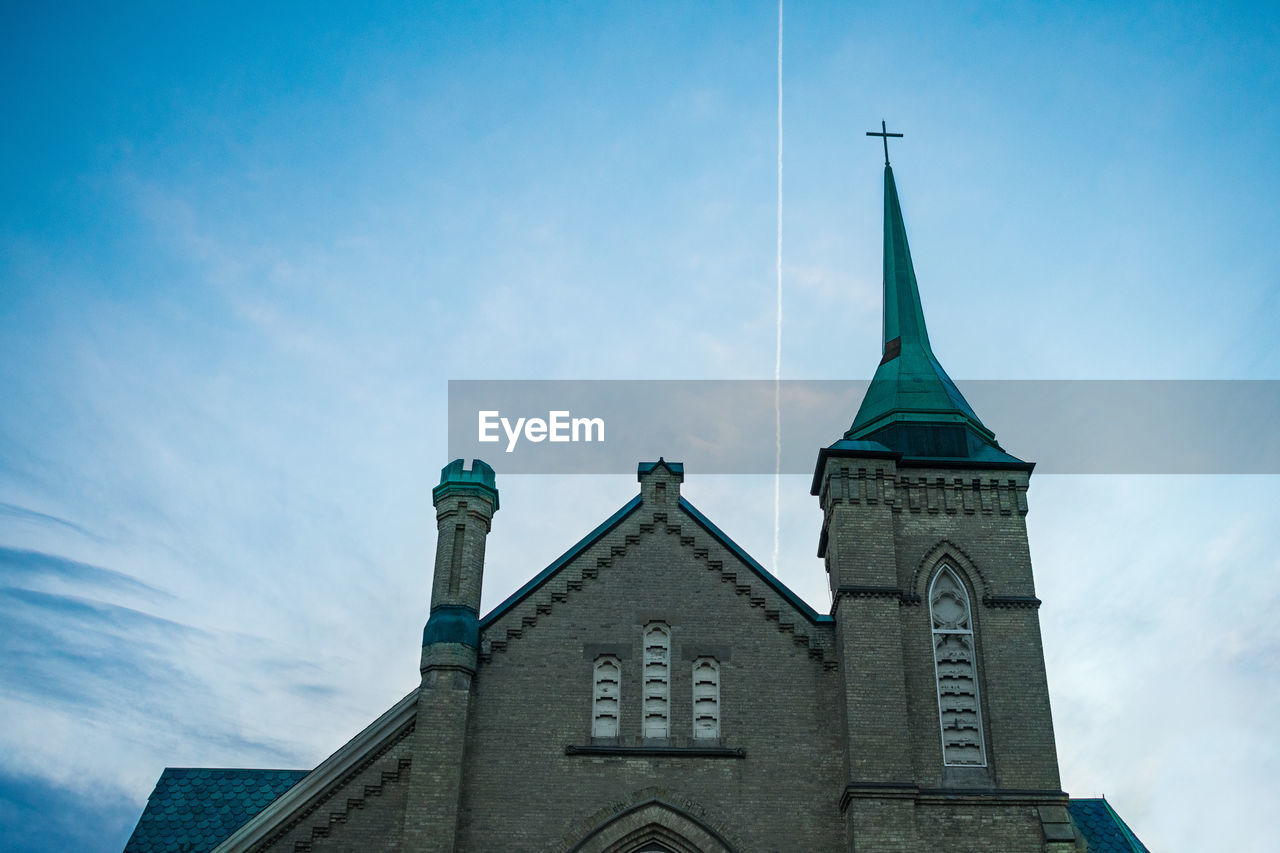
956 668
657 681
706 699
605 698
455 565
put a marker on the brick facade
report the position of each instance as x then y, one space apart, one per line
829 724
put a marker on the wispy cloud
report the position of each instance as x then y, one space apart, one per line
19 565
23 514
79 652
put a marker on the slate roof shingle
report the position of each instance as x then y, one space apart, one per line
192 809
1103 828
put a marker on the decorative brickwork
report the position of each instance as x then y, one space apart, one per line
587 567
343 811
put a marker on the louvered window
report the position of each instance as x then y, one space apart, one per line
706 699
657 681
605 698
956 668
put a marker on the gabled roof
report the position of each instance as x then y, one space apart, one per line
617 518
559 562
194 808
1103 828
676 468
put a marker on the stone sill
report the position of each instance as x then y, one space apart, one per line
656 751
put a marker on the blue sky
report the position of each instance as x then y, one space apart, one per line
243 248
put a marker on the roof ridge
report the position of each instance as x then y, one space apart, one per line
247 769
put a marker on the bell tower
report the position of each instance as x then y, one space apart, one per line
945 701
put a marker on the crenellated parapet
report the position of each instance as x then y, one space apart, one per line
915 490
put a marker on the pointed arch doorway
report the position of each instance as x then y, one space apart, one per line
653 827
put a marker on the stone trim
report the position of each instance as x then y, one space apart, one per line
869 592
950 796
1012 602
904 599
587 831
938 554
656 751
991 796
322 829
877 791
1055 822
314 789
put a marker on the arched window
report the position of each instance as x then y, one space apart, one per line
956 668
657 681
706 699
605 701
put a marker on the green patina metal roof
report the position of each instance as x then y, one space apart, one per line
193 809
676 468
912 406
456 479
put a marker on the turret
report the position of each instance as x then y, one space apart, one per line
465 502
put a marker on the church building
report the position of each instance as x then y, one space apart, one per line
657 690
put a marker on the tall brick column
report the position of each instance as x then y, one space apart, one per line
859 548
465 502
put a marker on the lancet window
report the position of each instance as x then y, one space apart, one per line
657 681
956 668
706 699
605 702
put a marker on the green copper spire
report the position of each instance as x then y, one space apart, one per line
912 406
903 316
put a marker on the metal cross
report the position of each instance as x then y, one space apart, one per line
885 134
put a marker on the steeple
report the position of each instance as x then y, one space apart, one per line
912 406
903 316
